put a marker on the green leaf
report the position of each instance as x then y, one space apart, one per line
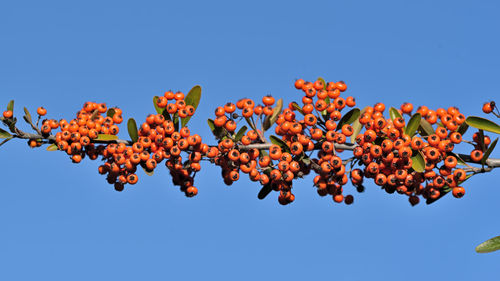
271 119
425 128
412 126
264 191
306 160
277 141
297 107
481 140
12 124
211 124
110 112
241 132
4 134
394 113
251 124
325 113
176 121
356 126
349 118
132 130
217 131
488 152
489 246
483 124
166 115
27 116
463 128
10 105
52 147
158 109
193 99
5 141
106 137
322 80
418 162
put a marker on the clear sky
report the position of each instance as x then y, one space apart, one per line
61 221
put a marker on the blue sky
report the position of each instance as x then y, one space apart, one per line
62 221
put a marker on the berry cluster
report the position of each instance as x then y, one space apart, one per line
413 156
76 136
388 152
157 139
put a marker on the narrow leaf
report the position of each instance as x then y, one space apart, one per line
52 147
297 107
271 119
349 118
4 141
4 134
306 160
158 109
27 116
394 113
176 121
241 132
489 246
277 141
356 126
483 124
463 128
211 124
325 113
10 105
217 131
418 162
106 137
193 99
481 140
250 123
425 128
413 124
132 130
166 115
264 191
488 152
323 81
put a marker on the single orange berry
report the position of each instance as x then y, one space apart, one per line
41 111
8 114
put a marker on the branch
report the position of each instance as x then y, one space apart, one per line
491 163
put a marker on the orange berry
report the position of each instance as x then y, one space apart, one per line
268 100
458 192
41 111
132 179
341 86
350 101
407 108
476 155
8 114
191 191
487 108
299 83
